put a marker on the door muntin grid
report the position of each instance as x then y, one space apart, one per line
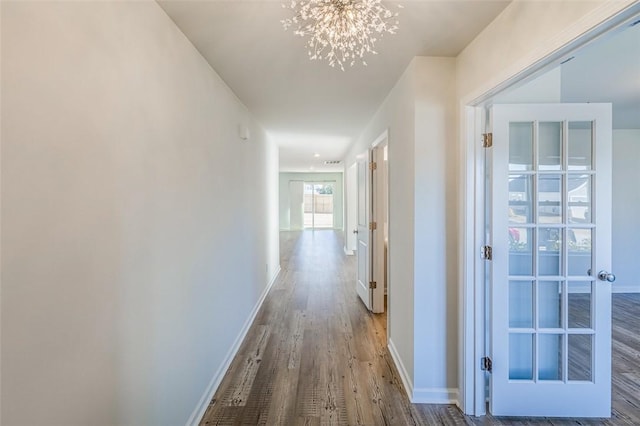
551 257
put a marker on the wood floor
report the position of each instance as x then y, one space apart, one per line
316 356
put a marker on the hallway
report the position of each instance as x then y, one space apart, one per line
314 355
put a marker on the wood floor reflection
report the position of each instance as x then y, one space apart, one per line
316 356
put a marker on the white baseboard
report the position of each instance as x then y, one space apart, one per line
435 396
203 404
348 252
628 288
404 376
421 395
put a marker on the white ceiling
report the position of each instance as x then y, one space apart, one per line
307 106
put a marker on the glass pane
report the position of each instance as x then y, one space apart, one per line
520 205
323 205
579 260
550 146
580 145
550 251
520 356
579 301
549 304
579 187
520 146
520 304
550 357
520 253
549 199
580 365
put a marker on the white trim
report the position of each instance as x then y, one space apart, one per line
379 139
203 404
608 16
472 380
404 376
348 252
435 396
629 288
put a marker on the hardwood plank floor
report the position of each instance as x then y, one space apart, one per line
316 356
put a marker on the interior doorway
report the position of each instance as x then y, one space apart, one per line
561 84
380 189
372 225
319 204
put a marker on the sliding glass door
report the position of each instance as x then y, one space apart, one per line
318 204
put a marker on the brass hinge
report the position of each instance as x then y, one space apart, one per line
373 226
487 253
486 364
373 165
487 140
373 284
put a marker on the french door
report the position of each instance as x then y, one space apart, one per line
550 231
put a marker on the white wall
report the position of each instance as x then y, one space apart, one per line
139 231
626 210
419 114
546 88
338 198
436 232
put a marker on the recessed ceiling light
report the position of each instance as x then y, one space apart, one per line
316 155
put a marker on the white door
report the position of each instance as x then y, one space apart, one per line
379 217
364 233
550 226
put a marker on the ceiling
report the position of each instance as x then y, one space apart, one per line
306 106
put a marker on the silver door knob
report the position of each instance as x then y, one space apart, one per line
606 276
355 231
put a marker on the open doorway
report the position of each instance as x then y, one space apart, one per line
596 73
318 204
372 225
380 189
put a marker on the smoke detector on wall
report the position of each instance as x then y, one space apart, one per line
332 162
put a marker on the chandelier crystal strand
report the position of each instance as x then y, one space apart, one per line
340 31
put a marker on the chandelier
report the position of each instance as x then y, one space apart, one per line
340 31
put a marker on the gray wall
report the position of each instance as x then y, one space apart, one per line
138 230
626 210
338 201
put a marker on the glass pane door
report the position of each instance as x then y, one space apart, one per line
549 210
544 215
318 204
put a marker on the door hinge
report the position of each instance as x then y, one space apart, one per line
373 284
373 226
486 364
373 165
487 140
487 253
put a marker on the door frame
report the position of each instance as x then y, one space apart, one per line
351 215
376 209
315 182
472 379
